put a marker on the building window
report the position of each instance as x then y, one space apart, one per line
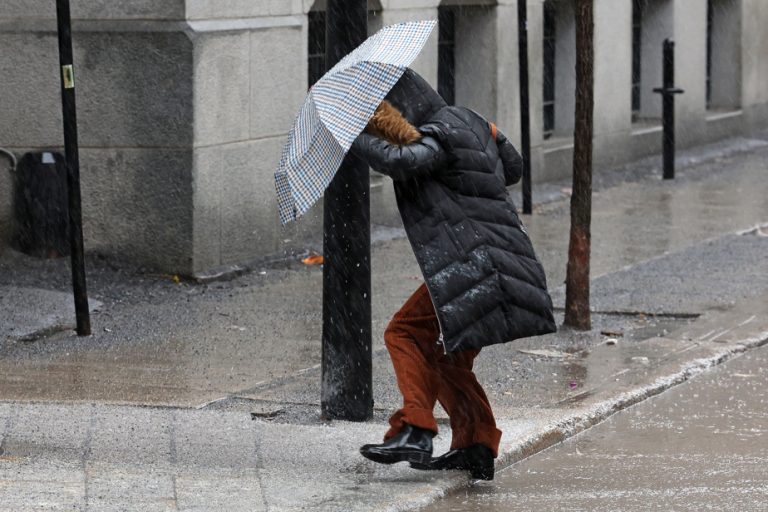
467 46
548 98
316 36
723 80
637 31
558 68
375 21
316 59
446 54
652 23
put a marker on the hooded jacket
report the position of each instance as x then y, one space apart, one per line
478 263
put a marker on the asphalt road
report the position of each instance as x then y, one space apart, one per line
700 446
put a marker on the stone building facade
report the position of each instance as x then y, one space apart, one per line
184 104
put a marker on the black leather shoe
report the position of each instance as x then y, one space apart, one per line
477 459
411 444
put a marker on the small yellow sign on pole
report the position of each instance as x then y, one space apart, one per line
68 73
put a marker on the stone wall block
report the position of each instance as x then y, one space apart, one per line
690 70
476 59
134 89
278 79
249 203
507 115
222 78
211 9
613 70
754 64
426 63
30 103
137 205
235 202
207 184
97 9
658 24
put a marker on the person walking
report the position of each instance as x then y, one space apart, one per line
482 282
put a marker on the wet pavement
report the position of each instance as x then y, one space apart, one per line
700 446
186 344
189 394
641 220
711 274
115 458
44 312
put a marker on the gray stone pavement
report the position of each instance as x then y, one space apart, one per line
42 312
193 397
700 446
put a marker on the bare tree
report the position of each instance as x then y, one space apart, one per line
577 277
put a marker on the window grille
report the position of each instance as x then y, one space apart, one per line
316 59
548 99
446 56
710 19
637 31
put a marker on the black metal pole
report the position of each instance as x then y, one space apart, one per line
525 114
668 109
347 382
668 92
73 167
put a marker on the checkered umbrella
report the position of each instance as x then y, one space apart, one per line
337 109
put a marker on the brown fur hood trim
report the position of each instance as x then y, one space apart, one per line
388 123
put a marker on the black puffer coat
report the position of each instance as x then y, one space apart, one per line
478 263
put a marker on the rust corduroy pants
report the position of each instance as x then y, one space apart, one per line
425 374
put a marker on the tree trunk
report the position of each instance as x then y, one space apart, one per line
577 277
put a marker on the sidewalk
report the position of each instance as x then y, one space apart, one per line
196 397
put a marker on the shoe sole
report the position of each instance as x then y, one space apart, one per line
477 473
478 461
392 457
423 466
482 473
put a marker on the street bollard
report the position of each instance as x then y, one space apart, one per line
347 382
668 108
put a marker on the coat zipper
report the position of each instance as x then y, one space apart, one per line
440 338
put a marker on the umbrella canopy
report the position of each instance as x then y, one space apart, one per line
337 109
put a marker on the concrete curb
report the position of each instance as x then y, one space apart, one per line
577 423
